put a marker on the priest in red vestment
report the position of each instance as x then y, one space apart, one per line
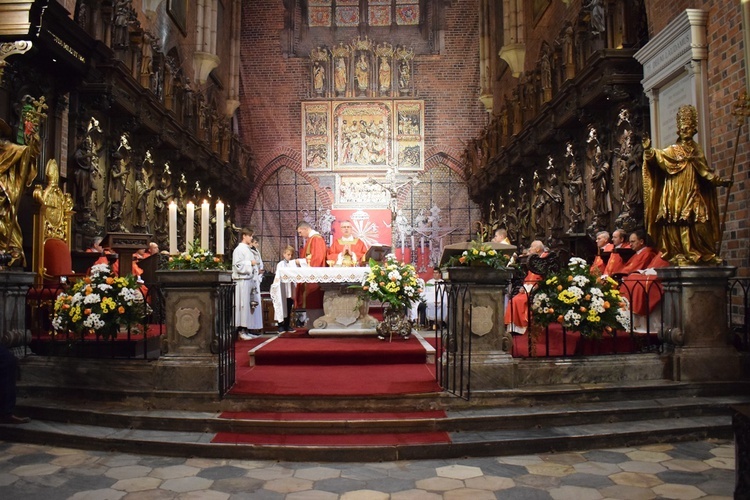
615 263
517 311
309 296
347 251
643 254
603 246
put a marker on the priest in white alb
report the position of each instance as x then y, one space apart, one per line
248 317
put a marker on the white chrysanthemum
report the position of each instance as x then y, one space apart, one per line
104 287
98 269
92 321
581 280
374 287
92 298
577 262
596 292
394 275
57 323
576 291
77 299
623 317
597 304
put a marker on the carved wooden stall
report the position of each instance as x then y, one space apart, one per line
560 158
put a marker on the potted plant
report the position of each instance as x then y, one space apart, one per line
100 303
398 286
580 301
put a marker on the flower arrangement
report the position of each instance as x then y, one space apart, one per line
198 259
393 282
578 300
100 304
480 253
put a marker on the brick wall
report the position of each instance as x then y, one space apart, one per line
726 79
272 86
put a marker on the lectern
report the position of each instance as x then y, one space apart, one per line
125 245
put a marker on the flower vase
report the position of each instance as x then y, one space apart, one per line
394 324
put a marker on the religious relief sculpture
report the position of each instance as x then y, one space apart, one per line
142 188
682 213
86 162
629 157
118 177
362 73
545 69
575 190
162 195
600 173
596 9
556 202
123 16
319 57
539 201
404 57
384 52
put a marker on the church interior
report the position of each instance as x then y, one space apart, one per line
555 134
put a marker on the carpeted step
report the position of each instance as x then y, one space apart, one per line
332 351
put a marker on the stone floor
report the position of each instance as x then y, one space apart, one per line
703 469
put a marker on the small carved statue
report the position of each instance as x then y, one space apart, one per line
339 77
362 73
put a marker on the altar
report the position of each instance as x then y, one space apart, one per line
341 313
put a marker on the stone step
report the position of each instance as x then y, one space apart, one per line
472 443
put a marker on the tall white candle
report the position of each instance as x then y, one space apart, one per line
412 242
205 219
402 245
189 225
172 228
421 243
219 228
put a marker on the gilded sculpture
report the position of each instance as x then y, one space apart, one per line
679 188
17 172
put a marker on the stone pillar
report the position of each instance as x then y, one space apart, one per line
695 323
193 313
13 288
480 311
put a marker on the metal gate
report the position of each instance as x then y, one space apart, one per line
223 344
453 338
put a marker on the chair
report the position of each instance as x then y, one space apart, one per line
52 228
52 261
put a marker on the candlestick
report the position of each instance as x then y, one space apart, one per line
219 228
204 224
189 225
172 228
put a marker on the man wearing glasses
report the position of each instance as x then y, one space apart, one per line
346 251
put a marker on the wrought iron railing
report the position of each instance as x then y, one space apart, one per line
223 343
738 313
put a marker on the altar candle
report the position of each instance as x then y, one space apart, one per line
421 243
219 228
189 225
204 224
412 242
402 245
172 228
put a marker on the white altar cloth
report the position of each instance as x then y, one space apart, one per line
320 275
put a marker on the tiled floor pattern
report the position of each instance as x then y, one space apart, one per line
703 469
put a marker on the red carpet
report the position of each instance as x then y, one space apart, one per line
333 439
300 350
330 380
